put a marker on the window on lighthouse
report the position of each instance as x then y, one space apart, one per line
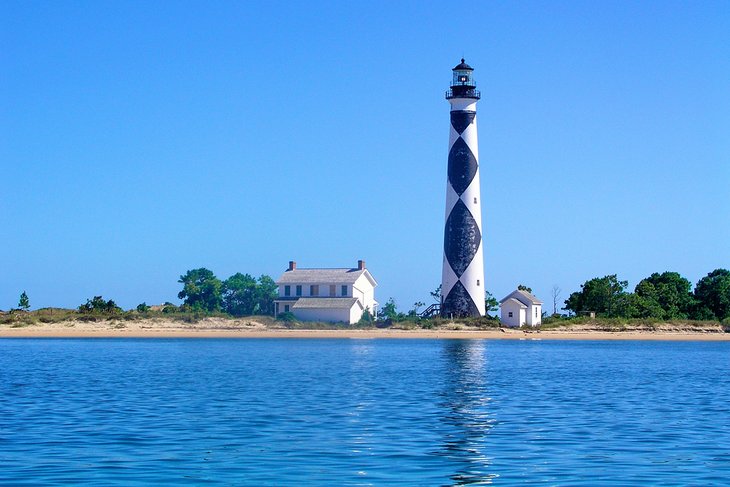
461 78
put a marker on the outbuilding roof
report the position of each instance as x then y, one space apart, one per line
324 276
513 300
325 303
522 296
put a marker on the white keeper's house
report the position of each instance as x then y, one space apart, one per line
520 308
334 295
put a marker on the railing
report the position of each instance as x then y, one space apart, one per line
470 93
431 311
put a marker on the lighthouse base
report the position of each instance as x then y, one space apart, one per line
459 304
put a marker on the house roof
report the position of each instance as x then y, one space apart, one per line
326 303
522 296
513 300
322 276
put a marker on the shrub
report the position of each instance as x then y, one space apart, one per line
427 324
387 323
98 305
366 318
286 316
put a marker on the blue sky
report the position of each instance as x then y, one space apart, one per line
142 139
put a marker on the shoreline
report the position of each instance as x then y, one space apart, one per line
66 331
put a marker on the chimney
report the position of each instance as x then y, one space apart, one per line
360 265
292 265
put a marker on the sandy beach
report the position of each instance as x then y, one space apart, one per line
241 328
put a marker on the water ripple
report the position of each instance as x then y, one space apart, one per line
353 412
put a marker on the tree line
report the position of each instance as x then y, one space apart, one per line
202 292
239 295
665 296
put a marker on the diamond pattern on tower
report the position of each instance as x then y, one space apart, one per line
459 303
448 278
462 166
461 238
460 120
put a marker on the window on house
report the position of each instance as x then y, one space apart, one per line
332 290
535 312
475 200
343 291
314 290
299 290
286 308
287 290
477 282
510 314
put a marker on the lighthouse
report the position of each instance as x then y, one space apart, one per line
462 280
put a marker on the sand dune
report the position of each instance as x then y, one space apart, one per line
243 328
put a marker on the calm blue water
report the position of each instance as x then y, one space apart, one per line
363 412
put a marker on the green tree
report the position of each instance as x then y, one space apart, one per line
647 307
366 318
627 305
436 294
24 303
703 313
490 302
265 295
201 290
239 295
665 296
416 306
713 296
98 305
522 287
244 296
389 310
604 295
142 308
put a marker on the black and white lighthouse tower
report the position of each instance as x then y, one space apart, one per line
462 281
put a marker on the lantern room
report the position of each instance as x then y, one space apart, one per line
463 75
462 83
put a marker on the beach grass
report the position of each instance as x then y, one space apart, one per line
50 320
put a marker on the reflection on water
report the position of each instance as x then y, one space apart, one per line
363 412
465 404
361 442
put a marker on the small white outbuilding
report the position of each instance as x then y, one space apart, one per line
520 308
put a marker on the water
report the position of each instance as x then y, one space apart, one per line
363 412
